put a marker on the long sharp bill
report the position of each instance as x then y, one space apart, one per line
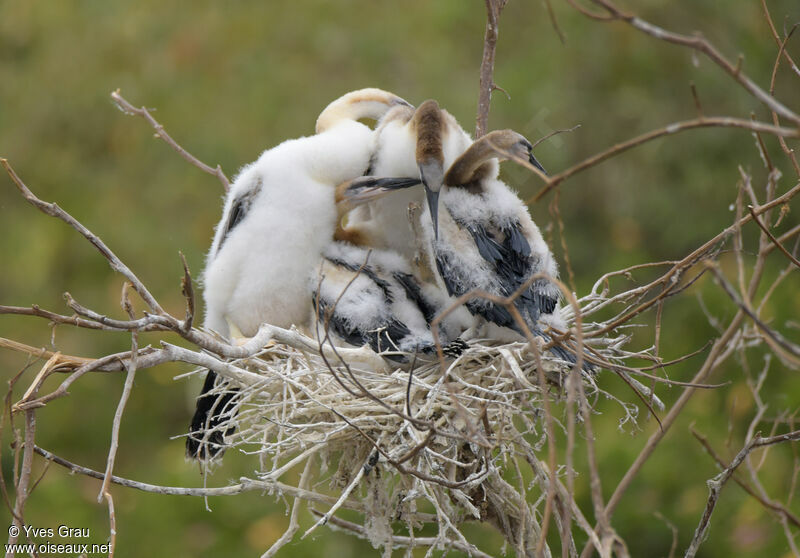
429 124
433 206
536 163
369 188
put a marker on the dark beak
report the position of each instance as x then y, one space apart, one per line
536 163
365 189
433 205
432 177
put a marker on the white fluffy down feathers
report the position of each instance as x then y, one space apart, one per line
280 218
257 271
277 257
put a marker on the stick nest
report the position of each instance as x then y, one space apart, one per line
430 447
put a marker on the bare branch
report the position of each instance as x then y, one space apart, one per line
245 485
781 44
674 128
112 523
772 506
54 211
123 400
702 45
793 350
716 484
493 10
774 240
161 133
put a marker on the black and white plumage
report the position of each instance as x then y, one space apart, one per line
478 233
486 237
371 297
279 216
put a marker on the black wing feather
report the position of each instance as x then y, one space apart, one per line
514 263
488 247
384 338
518 242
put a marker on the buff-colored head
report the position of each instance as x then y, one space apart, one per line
429 125
499 144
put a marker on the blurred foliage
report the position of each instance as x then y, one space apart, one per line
229 79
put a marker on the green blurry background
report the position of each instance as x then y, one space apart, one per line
229 79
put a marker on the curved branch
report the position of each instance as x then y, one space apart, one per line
161 133
700 44
54 210
700 122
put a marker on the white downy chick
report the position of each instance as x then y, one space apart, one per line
279 214
278 217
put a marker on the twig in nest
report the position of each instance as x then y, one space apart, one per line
399 540
345 493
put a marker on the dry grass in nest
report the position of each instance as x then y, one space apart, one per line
405 449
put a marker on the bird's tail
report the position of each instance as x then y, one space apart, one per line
206 436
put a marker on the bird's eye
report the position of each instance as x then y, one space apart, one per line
526 144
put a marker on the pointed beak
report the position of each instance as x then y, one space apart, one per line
432 177
433 206
369 188
359 195
536 163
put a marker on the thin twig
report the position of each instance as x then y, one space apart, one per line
702 45
493 10
770 505
674 128
123 400
245 485
716 484
399 540
54 211
161 133
112 523
774 240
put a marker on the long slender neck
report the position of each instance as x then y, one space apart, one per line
351 234
471 165
364 103
429 125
